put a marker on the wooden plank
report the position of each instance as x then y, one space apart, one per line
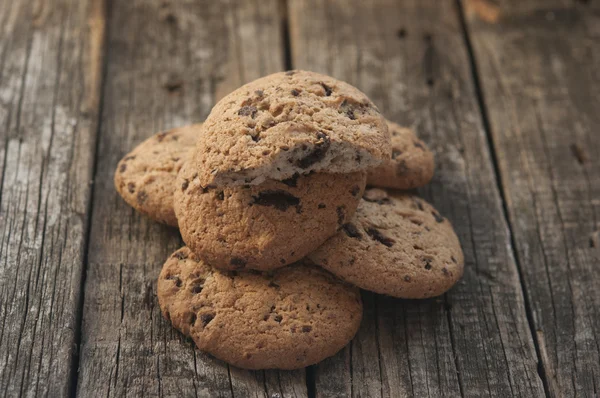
168 62
411 59
50 63
538 64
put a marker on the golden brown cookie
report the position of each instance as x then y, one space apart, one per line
395 245
289 319
264 226
290 123
411 165
145 177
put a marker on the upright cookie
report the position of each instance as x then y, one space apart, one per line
145 177
264 226
411 165
292 318
395 245
290 123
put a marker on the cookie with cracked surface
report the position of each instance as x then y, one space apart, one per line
264 226
397 245
290 123
411 165
288 319
145 177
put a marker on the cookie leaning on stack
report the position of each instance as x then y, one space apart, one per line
277 173
157 161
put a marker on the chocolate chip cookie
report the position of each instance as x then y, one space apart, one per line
290 123
288 319
264 226
396 245
145 177
411 165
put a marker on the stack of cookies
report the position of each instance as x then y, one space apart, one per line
280 232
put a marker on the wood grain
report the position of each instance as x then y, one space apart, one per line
50 53
168 62
538 66
412 61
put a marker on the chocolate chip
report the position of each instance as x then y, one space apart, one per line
453 259
122 167
351 230
279 199
292 181
184 185
341 213
295 92
347 109
161 136
407 278
221 195
193 318
437 216
259 93
206 319
196 289
248 111
379 237
255 137
180 254
318 152
141 197
446 272
418 204
355 190
238 262
131 187
277 318
427 264
375 197
327 89
396 153
282 260
175 279
306 328
322 205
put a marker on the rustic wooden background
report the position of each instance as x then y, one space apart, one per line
506 92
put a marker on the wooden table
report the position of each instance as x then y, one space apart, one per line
506 93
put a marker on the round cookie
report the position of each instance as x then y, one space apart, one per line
289 319
290 123
395 245
265 226
145 177
411 165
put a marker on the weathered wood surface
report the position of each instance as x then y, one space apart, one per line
167 63
538 64
50 62
412 60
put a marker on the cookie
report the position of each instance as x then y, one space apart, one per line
289 319
290 123
145 177
395 245
264 226
411 165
